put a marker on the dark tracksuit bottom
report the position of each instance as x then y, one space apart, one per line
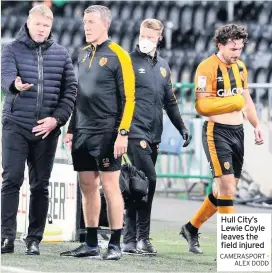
137 220
19 146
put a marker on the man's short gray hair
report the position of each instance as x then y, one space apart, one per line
104 12
43 10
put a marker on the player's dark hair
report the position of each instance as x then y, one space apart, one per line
230 32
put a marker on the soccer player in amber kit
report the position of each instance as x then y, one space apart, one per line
221 94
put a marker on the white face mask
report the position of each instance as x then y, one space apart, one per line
146 46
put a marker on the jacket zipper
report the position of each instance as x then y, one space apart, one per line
91 61
155 107
13 102
40 82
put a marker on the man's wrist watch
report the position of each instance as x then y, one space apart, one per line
123 132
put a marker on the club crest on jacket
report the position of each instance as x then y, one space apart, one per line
103 61
163 71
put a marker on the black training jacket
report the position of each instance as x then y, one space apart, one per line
153 93
106 88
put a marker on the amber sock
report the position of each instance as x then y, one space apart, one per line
207 209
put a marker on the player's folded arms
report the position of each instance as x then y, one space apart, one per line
209 106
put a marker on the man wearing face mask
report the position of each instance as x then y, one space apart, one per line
153 93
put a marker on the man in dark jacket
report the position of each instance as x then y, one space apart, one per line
153 93
40 87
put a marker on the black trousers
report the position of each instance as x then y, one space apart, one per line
19 146
143 156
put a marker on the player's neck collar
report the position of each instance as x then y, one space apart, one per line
221 61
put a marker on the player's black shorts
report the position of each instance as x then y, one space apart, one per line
224 148
94 152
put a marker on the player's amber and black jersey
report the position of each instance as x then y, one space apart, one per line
222 143
220 81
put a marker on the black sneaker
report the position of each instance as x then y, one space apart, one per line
83 251
145 247
192 240
7 246
113 253
129 248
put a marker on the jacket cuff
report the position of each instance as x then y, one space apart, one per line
13 89
59 121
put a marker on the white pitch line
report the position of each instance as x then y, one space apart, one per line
17 270
10 269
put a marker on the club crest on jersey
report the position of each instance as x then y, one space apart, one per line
103 61
163 71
